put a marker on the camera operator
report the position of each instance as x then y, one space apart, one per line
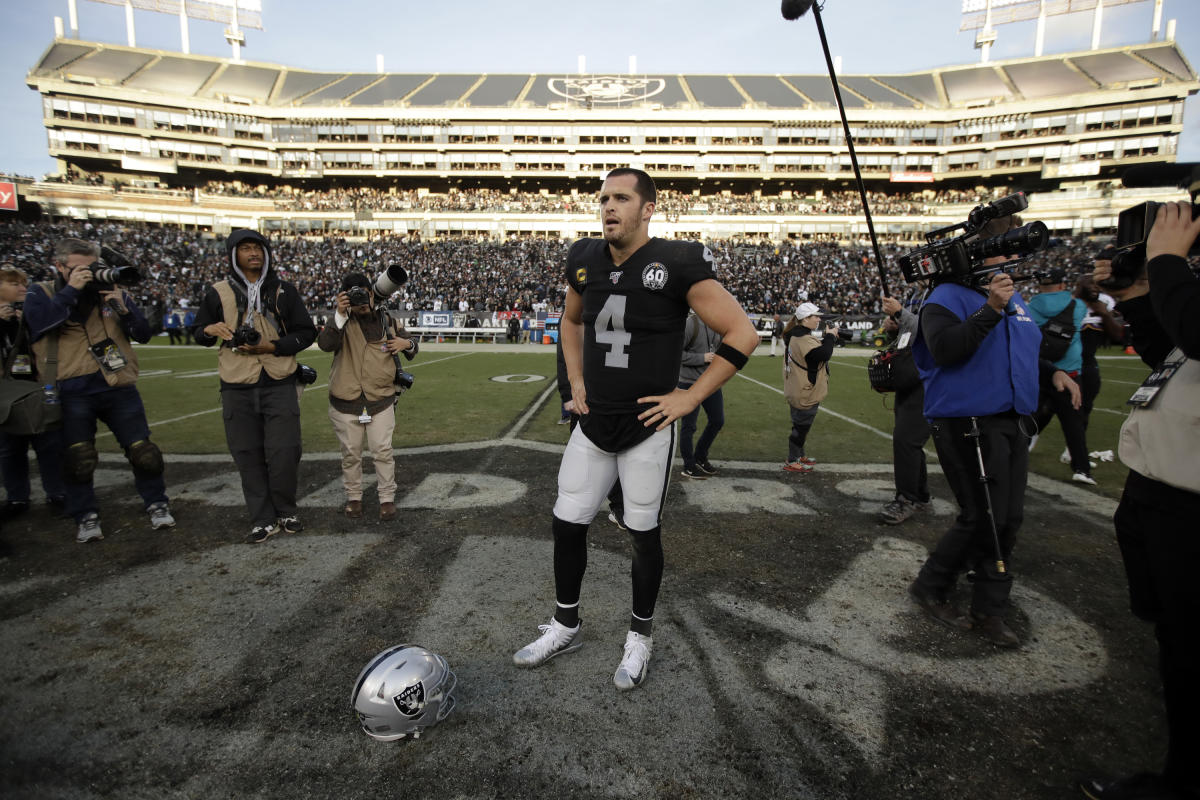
977 352
1156 520
93 324
261 324
362 389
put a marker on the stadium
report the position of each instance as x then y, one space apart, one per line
789 660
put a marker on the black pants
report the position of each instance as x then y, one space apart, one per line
262 429
909 436
1157 531
969 545
714 412
1072 420
1089 385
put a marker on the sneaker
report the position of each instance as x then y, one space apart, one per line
14 508
556 639
565 421
806 460
1032 442
290 525
898 511
705 466
1065 456
260 533
89 528
618 519
693 472
1084 477
635 662
797 466
160 516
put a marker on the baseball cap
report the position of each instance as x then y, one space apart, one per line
805 310
1051 276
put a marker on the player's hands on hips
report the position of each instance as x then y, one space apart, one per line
667 408
1173 232
1063 383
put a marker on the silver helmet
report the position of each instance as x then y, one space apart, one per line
402 691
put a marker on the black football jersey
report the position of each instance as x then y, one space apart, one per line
633 317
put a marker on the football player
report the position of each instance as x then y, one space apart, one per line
622 331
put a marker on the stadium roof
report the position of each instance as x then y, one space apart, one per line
210 78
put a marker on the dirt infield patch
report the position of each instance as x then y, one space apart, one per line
787 659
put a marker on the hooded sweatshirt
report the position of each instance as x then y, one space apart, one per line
269 305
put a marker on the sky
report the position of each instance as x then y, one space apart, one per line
666 36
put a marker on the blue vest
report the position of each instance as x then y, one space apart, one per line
1002 375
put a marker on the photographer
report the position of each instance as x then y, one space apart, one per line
362 389
16 355
977 352
261 324
1156 518
911 429
805 378
93 323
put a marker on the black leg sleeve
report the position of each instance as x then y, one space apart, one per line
570 562
647 571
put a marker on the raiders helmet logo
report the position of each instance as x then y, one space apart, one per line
581 275
411 701
654 276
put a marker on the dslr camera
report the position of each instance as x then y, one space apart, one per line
844 333
113 268
245 334
960 258
358 295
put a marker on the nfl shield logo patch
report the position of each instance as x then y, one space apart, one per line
614 277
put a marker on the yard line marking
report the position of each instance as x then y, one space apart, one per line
882 434
307 389
533 409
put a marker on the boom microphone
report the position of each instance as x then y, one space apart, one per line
795 9
1182 175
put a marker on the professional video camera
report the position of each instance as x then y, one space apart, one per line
961 258
1134 224
113 268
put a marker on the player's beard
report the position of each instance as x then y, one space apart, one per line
624 232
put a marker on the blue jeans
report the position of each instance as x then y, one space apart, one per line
14 462
714 410
121 409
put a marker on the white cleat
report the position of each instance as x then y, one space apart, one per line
556 639
635 663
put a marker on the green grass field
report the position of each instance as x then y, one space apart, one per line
455 399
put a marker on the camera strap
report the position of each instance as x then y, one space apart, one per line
243 304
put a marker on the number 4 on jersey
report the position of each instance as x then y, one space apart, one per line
610 330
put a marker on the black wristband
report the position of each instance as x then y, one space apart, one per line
735 357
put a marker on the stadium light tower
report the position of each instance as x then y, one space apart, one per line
238 13
982 15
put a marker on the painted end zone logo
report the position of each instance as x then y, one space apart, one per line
8 196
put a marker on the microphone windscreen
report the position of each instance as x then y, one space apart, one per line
794 9
1146 175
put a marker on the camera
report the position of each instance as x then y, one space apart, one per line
358 295
305 375
1133 228
844 334
245 334
404 380
961 257
113 268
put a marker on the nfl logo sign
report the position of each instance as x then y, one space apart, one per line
614 277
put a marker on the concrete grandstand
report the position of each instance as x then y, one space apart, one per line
156 129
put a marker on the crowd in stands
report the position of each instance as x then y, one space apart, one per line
484 276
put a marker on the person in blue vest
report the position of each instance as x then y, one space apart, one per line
977 350
1051 300
174 327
